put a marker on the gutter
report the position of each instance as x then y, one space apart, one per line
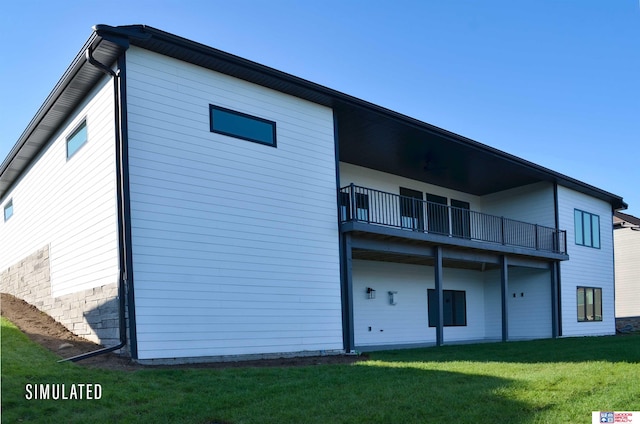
122 198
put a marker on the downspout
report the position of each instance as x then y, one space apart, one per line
557 263
344 252
120 198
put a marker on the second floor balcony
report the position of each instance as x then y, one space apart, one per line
462 225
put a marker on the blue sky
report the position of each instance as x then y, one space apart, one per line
554 82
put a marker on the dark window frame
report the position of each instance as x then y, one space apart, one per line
411 207
596 304
455 295
460 218
580 232
7 206
78 128
272 143
438 214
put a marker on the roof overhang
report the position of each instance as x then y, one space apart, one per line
623 220
79 78
369 135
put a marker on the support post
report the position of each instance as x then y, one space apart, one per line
439 295
347 294
554 301
504 280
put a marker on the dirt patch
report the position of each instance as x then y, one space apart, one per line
52 335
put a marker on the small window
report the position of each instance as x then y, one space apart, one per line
77 139
240 125
454 310
8 210
587 229
589 304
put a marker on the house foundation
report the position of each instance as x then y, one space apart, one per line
628 324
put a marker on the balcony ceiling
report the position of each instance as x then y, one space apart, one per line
430 155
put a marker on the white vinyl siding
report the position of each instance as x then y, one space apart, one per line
627 269
235 244
407 322
530 308
529 298
70 205
587 267
532 203
378 323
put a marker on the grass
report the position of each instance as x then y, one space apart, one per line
546 381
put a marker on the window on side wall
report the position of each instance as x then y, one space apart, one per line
8 210
454 311
240 125
77 139
587 229
589 304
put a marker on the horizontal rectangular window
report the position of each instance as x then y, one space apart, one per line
8 210
454 307
77 139
589 304
240 125
587 229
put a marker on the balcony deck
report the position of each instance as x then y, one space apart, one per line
389 218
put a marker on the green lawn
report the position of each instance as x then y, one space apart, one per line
547 381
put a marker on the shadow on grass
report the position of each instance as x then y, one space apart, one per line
379 394
618 348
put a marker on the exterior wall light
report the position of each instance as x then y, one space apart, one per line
392 297
371 293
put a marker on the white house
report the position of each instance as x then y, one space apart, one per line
180 203
626 241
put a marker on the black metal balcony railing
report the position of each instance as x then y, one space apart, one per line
392 210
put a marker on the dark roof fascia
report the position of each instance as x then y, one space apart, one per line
199 54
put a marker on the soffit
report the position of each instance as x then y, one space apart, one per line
72 88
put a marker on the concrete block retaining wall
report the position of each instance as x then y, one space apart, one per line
622 323
91 314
